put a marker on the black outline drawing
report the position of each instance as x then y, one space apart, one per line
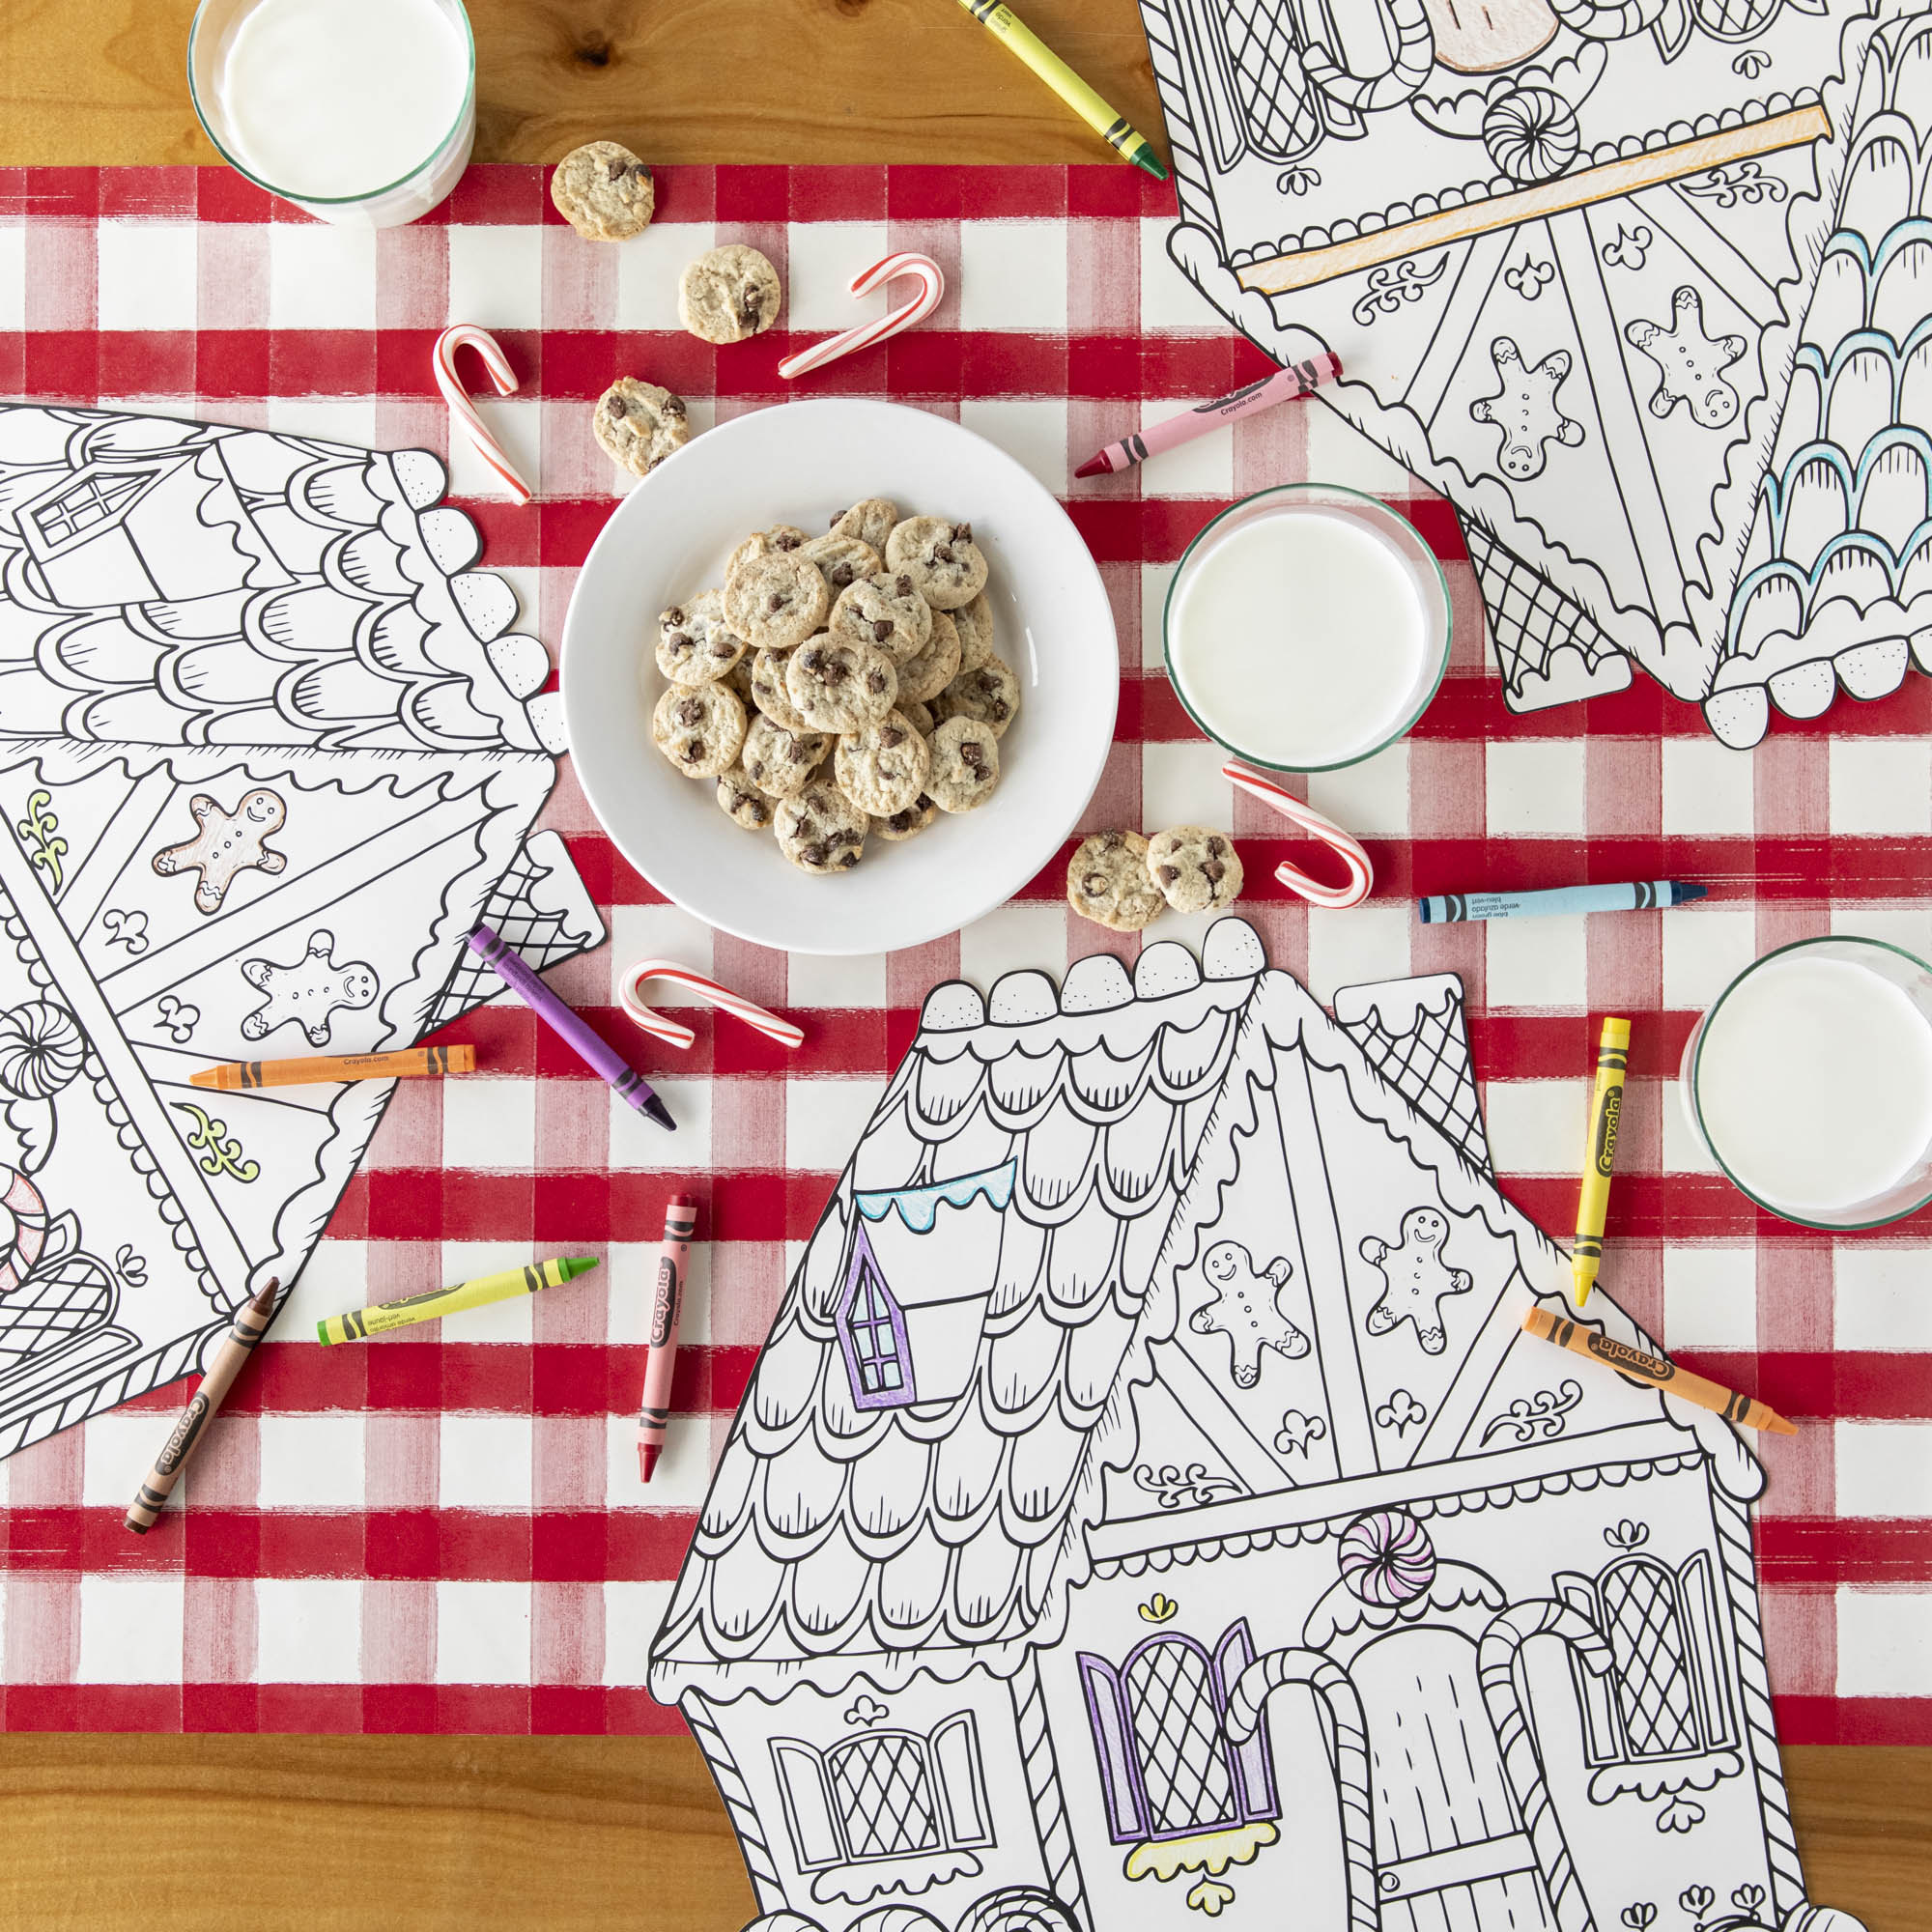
1380 1627
1742 510
250 632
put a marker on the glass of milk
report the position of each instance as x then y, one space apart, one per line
1810 1082
1307 627
358 111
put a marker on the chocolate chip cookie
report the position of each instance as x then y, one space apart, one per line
779 760
990 695
1197 870
604 191
742 802
701 728
921 715
694 643
841 686
965 765
781 536
974 623
870 520
729 295
883 610
843 560
769 696
941 557
909 823
1107 880
821 831
776 600
883 768
637 425
925 676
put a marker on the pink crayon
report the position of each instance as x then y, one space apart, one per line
1286 385
667 1306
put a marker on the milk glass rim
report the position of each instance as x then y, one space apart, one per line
1696 1058
241 168
1374 508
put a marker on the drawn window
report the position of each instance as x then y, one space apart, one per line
884 1793
872 1335
1167 1768
1258 49
92 499
1667 1693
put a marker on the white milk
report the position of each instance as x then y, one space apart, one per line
1299 639
326 99
1814 1079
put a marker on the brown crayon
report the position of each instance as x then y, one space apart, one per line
251 1323
237 1075
1625 1360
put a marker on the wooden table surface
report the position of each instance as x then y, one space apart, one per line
243 1834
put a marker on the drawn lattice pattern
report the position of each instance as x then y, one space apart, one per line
73 1297
1177 1733
1530 619
879 1786
1430 1068
1654 1689
1280 121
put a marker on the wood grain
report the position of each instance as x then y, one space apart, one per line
444 1834
89 82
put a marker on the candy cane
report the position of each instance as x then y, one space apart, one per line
674 1033
1361 874
467 335
932 285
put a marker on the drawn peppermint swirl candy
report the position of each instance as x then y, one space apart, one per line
1386 1558
41 1049
1531 133
23 1228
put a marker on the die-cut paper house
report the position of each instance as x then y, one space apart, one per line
1089 1631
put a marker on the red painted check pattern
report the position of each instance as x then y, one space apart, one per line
424 1534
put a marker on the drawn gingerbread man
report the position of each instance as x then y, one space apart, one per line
1690 364
228 842
1245 1310
309 993
1416 1278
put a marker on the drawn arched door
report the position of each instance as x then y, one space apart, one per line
1451 1851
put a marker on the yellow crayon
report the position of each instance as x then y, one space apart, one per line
1606 1106
1119 132
381 1316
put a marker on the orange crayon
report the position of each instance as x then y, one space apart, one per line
237 1075
1625 1360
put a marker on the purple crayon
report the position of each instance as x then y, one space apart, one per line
606 1062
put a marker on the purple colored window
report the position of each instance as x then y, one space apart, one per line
872 1334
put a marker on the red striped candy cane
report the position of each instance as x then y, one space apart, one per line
1361 874
932 285
467 335
674 1033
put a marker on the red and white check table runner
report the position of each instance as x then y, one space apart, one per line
444 1532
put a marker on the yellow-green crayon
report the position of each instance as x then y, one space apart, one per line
380 1317
1607 1107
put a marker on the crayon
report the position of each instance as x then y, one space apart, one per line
1115 129
1642 896
1600 1157
234 1076
606 1062
1655 1370
666 1307
379 1317
1286 385
250 1324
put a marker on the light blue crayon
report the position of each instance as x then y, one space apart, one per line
1450 908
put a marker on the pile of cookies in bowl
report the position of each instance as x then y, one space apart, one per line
838 688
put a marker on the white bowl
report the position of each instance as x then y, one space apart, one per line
802 463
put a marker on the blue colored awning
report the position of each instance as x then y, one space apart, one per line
919 1207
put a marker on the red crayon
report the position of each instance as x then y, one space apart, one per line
667 1305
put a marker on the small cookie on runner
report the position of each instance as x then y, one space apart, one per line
882 768
942 558
870 520
887 611
821 831
604 191
965 765
925 676
843 560
729 295
1197 870
779 760
774 600
974 623
694 644
840 686
990 695
637 425
701 728
1107 881
742 802
909 823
